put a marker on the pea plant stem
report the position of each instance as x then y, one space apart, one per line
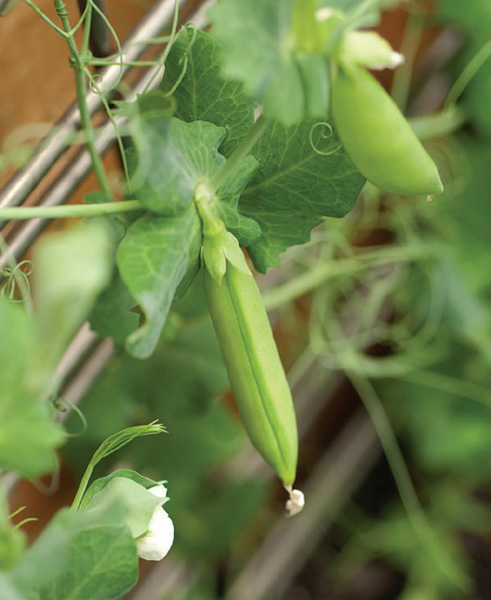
317 275
467 74
73 210
441 124
443 559
81 89
231 164
403 75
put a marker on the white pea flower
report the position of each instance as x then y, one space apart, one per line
158 539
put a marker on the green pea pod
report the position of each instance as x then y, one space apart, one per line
378 138
254 368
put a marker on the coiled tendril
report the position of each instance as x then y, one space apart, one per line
17 277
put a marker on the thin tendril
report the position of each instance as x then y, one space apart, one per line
62 404
12 265
178 81
467 74
119 52
46 19
55 479
165 54
16 512
17 277
407 492
24 521
324 136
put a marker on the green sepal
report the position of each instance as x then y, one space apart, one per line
220 248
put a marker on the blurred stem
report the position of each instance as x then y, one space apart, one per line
409 498
449 385
409 46
467 74
71 210
319 274
441 124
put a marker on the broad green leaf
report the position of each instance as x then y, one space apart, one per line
245 229
28 434
71 269
172 156
204 94
112 314
303 176
78 558
15 327
158 256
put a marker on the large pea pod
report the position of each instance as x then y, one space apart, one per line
254 368
378 138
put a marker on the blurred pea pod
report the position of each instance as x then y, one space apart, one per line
377 137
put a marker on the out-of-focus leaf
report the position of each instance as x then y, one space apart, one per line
93 560
71 269
28 434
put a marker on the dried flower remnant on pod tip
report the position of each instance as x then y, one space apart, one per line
296 501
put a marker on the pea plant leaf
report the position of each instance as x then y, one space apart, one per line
303 176
157 256
258 60
112 315
202 93
94 560
171 157
245 229
267 62
71 269
28 434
